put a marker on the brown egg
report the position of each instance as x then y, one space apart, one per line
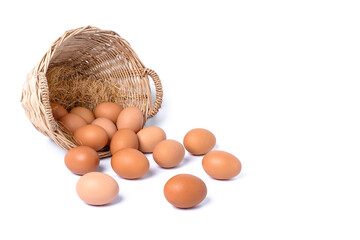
108 110
199 141
107 125
221 165
124 138
149 137
91 135
72 122
81 160
96 188
185 191
168 153
58 111
130 117
130 163
85 113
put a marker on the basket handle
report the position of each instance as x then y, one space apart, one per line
159 92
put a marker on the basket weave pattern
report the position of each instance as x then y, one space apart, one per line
84 67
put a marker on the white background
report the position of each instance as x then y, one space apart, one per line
277 82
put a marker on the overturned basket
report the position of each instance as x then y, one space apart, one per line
84 67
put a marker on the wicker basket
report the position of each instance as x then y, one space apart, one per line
84 67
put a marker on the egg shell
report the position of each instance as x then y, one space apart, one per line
130 117
107 125
58 111
108 110
221 165
130 163
72 122
149 137
199 141
85 113
124 138
81 160
96 188
91 135
168 153
185 191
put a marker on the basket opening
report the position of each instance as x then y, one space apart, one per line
90 68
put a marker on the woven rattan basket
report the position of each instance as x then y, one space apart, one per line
84 67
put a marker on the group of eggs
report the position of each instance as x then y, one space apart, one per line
121 130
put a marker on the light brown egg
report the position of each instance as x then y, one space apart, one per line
185 191
221 165
58 111
149 137
72 122
108 110
107 125
199 141
85 113
168 153
96 188
91 135
124 138
130 117
81 160
130 163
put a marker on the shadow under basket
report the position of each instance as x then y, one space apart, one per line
85 67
